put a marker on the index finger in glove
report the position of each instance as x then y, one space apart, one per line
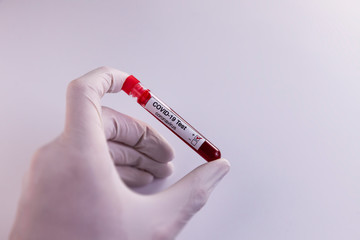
83 108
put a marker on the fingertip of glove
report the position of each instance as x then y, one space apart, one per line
170 166
222 165
225 163
166 153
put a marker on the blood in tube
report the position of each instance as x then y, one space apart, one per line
171 119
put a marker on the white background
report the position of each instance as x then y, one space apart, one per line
274 84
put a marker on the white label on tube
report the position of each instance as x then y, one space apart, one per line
174 122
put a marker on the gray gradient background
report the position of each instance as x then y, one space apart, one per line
274 84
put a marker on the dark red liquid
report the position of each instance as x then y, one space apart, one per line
208 151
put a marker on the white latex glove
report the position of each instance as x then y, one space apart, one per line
73 190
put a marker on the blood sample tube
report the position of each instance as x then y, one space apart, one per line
171 119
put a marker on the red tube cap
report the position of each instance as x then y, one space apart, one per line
129 84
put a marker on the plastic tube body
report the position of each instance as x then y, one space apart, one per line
171 119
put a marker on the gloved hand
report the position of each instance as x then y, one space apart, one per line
73 191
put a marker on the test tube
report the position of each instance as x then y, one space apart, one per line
171 119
